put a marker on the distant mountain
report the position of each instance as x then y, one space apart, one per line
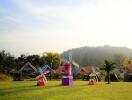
96 55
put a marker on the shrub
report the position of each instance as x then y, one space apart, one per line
4 77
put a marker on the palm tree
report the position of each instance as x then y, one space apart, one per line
108 67
52 59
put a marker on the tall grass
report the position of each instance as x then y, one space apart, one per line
4 77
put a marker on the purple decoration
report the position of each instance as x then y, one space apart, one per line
67 80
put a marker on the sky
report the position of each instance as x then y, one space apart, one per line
37 26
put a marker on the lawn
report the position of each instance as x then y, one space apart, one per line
26 90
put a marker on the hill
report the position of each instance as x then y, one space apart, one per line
96 55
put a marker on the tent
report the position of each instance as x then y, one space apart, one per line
128 77
87 69
28 70
46 69
113 78
84 70
28 66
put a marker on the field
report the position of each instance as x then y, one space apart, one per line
26 90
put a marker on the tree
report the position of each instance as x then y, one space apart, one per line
7 62
34 59
51 59
108 67
21 61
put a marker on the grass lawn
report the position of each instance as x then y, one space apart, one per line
26 90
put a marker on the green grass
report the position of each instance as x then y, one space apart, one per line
26 90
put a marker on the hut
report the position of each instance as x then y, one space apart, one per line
28 70
84 72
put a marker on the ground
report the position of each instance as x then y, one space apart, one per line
27 90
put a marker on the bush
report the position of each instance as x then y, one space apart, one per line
4 77
17 76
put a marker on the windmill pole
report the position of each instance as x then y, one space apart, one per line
70 57
51 67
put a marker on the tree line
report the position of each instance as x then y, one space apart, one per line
84 56
10 63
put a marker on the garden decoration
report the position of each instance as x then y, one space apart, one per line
92 79
67 78
41 79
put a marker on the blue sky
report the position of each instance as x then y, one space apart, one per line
36 26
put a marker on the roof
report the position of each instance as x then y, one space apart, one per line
46 67
28 64
92 74
86 69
